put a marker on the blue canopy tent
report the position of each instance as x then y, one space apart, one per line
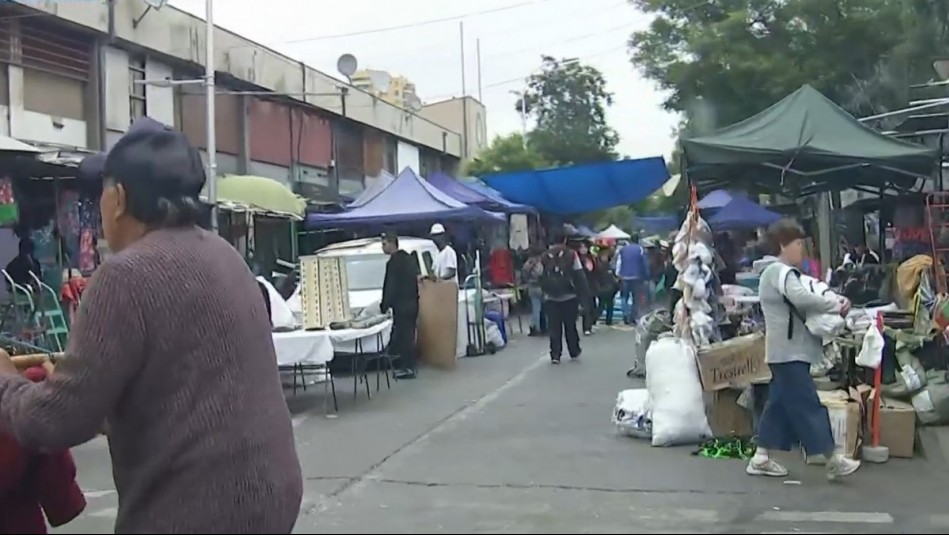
742 213
457 190
405 199
375 188
495 197
718 199
583 188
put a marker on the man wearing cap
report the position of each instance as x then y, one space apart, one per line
445 266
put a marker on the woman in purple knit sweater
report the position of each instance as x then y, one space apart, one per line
172 349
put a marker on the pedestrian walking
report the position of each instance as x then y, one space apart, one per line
589 264
633 270
793 413
172 350
607 286
400 295
531 273
565 289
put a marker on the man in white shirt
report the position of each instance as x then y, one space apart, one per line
445 266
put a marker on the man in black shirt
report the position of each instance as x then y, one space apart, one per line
400 295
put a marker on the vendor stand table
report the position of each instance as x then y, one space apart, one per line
365 346
306 352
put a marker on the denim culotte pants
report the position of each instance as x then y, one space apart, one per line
794 414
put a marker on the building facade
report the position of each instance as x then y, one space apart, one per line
466 115
74 75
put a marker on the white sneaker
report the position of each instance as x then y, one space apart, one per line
587 333
840 467
765 467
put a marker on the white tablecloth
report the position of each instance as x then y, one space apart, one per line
303 347
344 340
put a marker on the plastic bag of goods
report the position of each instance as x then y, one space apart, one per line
675 394
648 328
631 413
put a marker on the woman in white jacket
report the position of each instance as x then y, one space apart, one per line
793 414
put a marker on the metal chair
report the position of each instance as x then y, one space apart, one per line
50 315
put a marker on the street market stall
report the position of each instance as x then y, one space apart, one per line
883 367
259 217
804 144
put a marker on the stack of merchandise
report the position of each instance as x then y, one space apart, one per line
694 259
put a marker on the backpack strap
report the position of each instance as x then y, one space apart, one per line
787 271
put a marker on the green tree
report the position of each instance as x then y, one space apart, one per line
568 100
724 60
506 153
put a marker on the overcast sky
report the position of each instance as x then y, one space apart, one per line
427 49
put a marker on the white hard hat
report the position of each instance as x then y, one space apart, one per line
437 228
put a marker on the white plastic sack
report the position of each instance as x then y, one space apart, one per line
675 394
820 325
280 313
631 415
871 353
826 326
492 334
701 252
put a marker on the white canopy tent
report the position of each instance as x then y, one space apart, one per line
613 232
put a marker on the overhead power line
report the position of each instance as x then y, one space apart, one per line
418 23
523 78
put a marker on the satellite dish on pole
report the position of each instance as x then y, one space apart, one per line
346 65
413 103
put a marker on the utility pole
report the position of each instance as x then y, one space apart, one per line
461 33
211 115
464 95
480 87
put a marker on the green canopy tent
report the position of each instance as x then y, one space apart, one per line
805 144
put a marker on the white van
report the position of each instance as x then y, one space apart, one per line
366 265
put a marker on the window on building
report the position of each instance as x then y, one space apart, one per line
137 103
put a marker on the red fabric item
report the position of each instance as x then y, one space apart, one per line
502 267
32 484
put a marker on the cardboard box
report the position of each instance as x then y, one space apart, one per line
438 323
725 416
733 363
845 410
897 427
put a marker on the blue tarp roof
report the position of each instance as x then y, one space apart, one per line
583 188
742 213
407 198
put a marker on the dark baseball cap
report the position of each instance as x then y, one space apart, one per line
155 166
92 167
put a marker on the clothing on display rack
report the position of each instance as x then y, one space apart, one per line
520 233
69 225
9 211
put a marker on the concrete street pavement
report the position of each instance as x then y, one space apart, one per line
510 444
